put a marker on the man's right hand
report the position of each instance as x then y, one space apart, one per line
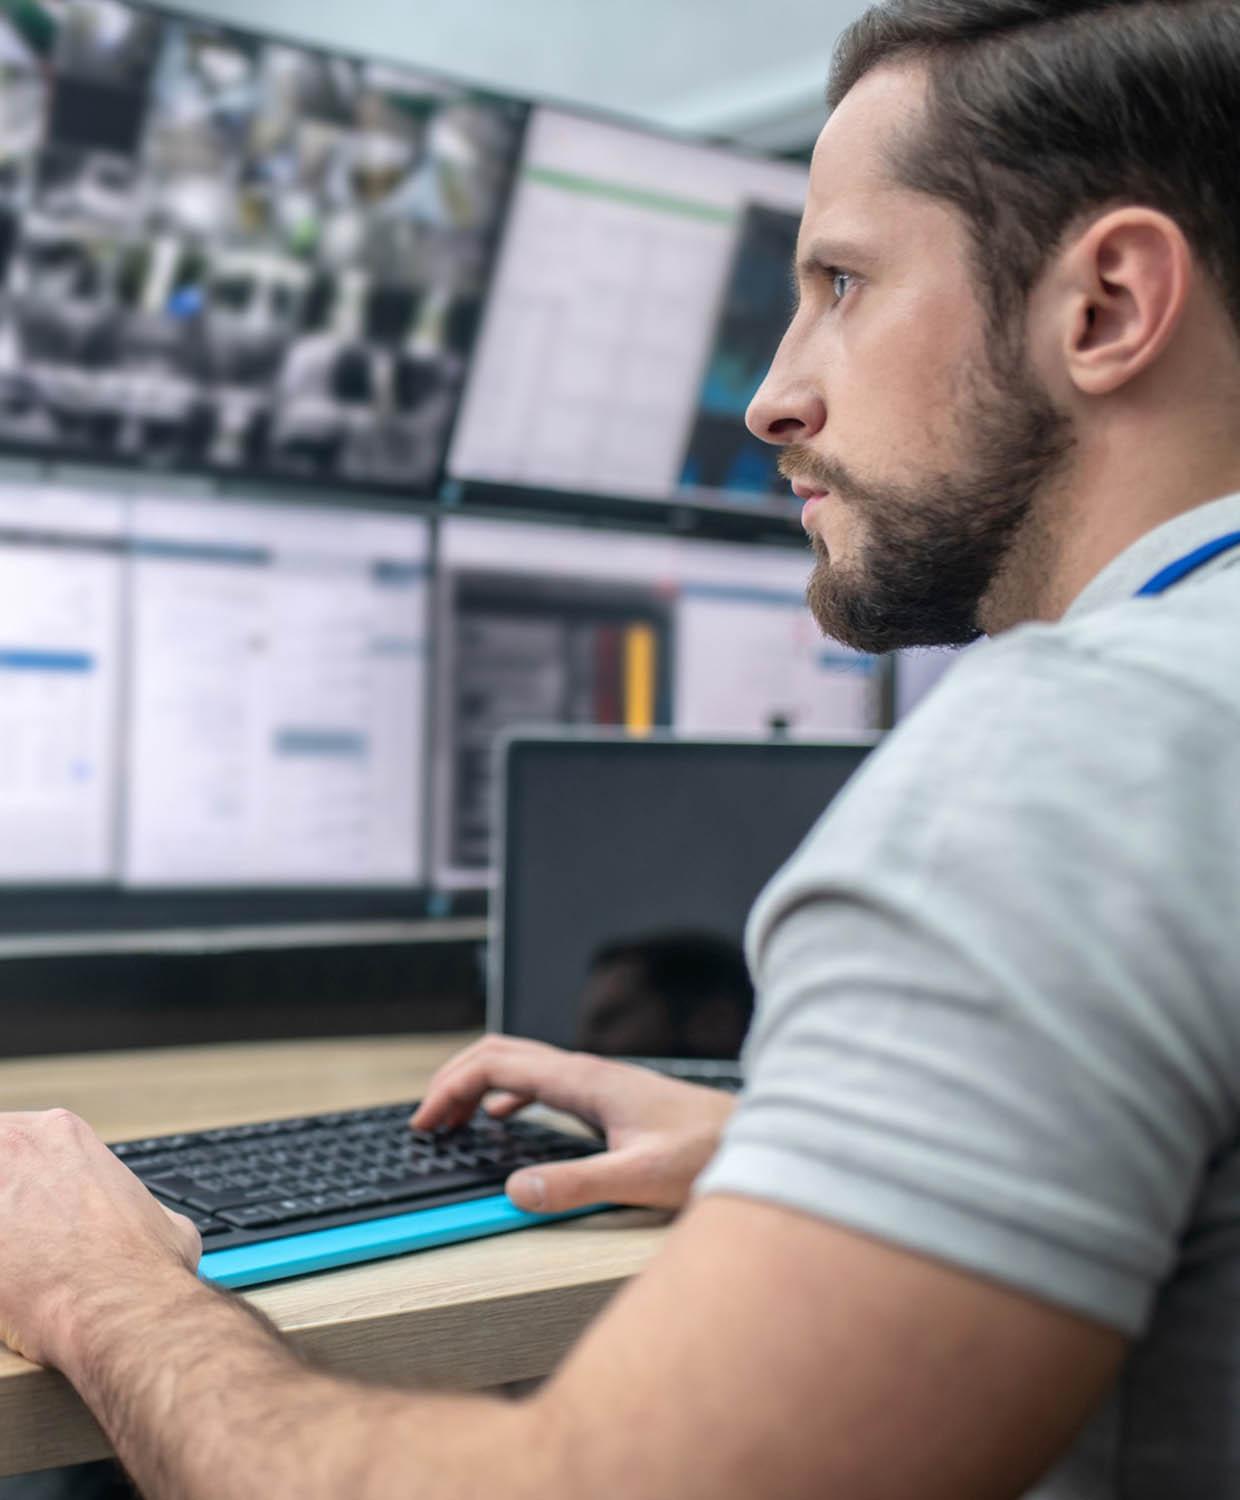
660 1131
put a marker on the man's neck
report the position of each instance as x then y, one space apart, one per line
1091 516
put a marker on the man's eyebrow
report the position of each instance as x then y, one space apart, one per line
830 252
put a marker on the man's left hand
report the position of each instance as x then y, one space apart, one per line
73 1219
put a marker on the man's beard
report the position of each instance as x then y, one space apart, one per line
931 551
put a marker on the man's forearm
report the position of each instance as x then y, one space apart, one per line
203 1400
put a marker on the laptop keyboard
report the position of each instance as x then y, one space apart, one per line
247 1183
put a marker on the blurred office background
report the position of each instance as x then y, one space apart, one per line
372 383
722 68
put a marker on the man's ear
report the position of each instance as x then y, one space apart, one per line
1128 275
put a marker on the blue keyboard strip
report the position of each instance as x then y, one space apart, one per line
374 1239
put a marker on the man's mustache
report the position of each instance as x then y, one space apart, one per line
799 462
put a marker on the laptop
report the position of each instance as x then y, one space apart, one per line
626 868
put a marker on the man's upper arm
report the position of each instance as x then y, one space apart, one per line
768 1352
996 1023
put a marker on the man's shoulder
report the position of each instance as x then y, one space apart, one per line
1183 641
1140 670
1111 737
1186 637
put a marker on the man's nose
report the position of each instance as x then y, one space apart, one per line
786 409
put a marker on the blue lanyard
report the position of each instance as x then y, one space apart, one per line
1166 577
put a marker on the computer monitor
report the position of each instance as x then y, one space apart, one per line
544 625
641 289
62 570
214 712
276 701
750 658
222 245
627 869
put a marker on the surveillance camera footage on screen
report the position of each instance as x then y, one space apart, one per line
222 253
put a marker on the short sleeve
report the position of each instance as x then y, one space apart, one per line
996 1021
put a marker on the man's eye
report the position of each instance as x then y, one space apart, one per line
840 282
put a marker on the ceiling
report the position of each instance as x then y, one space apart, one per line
727 68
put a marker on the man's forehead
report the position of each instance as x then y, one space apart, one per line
854 147
850 170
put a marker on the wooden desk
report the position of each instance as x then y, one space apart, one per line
464 1316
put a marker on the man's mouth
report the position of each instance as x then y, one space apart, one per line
812 494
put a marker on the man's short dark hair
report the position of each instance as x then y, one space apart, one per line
1041 111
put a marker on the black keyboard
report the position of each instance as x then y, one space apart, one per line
246 1183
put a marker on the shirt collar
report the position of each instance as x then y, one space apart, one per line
1137 564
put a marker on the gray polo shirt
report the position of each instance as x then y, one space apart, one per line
999 1013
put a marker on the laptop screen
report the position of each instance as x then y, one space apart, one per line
627 869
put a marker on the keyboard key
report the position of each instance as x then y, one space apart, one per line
433 1183
292 1208
171 1185
188 1190
154 1161
325 1203
361 1197
256 1216
207 1226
